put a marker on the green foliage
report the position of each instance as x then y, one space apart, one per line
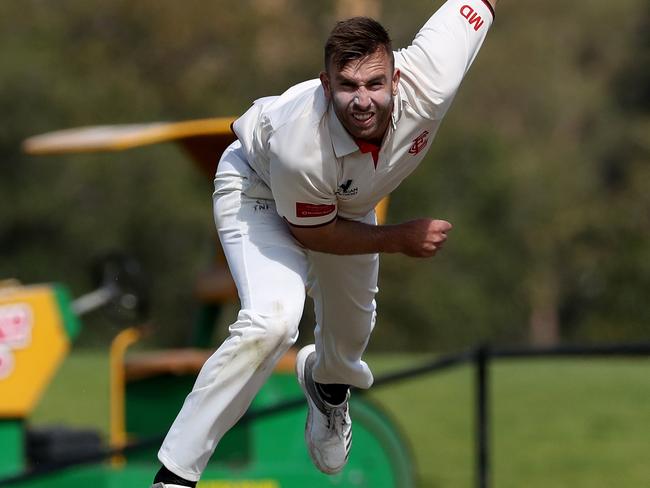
541 165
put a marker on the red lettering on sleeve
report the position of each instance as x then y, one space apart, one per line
313 210
472 17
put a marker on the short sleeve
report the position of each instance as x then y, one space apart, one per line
302 193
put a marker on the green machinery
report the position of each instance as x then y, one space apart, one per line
267 452
38 324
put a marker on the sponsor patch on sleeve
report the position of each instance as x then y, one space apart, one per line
313 210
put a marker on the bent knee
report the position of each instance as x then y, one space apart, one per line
278 328
282 324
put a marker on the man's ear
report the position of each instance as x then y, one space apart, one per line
325 81
395 81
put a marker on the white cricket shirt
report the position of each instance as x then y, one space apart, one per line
311 166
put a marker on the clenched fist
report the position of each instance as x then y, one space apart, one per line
422 238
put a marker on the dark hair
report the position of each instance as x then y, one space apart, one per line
355 38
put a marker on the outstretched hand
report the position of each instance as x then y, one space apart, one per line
423 238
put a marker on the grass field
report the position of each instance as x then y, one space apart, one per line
556 423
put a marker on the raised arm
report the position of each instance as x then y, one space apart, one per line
433 67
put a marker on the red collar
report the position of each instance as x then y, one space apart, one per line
369 147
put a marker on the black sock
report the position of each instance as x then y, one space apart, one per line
334 394
166 476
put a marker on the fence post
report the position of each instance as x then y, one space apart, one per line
482 399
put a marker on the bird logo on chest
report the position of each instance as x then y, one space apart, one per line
346 190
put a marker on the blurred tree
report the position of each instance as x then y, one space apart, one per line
542 163
544 89
355 8
84 63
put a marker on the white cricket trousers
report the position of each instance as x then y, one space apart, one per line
272 272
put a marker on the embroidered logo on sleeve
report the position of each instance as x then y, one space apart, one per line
419 143
313 209
472 17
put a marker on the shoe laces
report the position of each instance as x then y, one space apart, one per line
337 419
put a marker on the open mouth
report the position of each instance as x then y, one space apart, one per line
363 119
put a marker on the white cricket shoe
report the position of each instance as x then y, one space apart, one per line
167 485
328 432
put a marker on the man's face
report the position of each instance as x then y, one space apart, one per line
362 94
